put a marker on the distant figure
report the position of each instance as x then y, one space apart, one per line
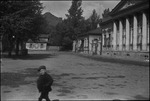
44 83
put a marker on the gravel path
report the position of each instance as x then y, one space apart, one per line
75 77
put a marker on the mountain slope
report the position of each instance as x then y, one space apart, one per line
51 19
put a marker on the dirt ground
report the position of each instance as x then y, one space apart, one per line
75 78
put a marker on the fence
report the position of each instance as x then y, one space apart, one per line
54 48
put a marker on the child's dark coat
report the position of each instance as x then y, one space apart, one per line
44 83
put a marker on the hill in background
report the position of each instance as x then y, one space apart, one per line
51 19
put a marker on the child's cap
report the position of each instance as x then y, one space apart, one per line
41 67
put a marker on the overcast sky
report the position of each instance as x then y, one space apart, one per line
60 8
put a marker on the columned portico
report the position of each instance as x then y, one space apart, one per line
129 37
130 23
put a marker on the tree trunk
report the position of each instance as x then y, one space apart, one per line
10 50
24 51
22 48
9 54
17 47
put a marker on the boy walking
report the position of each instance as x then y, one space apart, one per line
44 83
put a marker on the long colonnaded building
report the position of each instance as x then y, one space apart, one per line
126 29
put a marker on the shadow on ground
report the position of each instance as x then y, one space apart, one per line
30 56
27 76
140 97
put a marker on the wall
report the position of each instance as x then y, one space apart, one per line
54 48
127 54
36 46
88 45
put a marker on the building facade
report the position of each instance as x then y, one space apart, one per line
107 32
89 43
39 44
128 30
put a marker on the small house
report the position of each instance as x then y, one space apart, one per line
39 44
89 43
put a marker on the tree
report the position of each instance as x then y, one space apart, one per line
20 21
61 30
13 31
73 23
106 13
74 17
93 20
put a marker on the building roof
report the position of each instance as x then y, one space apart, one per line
92 32
125 7
95 31
44 36
106 20
125 4
29 41
41 39
36 41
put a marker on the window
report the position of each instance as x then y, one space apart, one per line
104 40
30 45
148 30
82 45
124 34
139 32
109 40
86 42
42 45
117 36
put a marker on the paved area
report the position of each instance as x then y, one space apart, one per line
75 78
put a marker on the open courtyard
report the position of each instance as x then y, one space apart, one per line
75 78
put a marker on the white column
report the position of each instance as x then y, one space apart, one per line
114 35
135 33
120 35
84 45
127 34
103 39
148 33
144 31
